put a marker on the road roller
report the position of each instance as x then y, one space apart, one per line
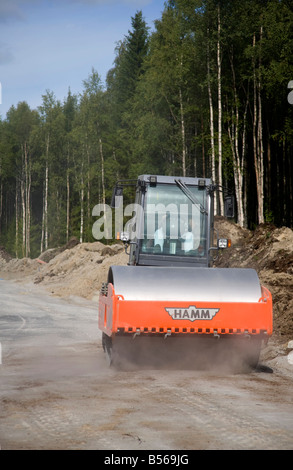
170 302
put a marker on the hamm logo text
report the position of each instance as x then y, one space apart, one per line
192 313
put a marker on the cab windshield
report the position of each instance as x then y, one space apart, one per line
173 223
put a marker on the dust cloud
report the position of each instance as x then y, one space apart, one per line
184 353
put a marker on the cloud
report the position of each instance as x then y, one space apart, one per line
53 44
9 10
6 55
138 3
15 9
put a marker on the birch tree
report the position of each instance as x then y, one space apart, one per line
70 111
46 112
211 112
258 149
219 80
22 120
238 141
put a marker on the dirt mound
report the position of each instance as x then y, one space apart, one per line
4 256
75 269
80 270
52 252
268 250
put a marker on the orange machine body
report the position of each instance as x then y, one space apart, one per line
118 316
171 286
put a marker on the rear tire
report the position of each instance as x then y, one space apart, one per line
248 351
253 352
108 348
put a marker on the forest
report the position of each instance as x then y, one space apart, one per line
205 94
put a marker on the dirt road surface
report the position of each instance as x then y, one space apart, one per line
57 391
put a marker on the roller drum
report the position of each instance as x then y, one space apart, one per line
186 284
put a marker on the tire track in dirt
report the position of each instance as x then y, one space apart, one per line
227 417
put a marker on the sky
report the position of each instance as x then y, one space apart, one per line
54 44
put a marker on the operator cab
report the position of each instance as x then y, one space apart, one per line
173 225
175 222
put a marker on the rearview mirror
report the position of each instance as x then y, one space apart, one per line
229 207
117 197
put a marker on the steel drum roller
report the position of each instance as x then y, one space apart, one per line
149 283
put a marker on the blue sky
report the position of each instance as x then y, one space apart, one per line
54 44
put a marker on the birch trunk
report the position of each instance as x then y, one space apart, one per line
182 133
16 218
1 206
43 221
27 191
67 197
28 209
243 192
67 205
212 132
58 207
238 158
46 191
22 190
103 181
257 138
203 149
103 175
219 65
260 146
1 199
81 205
244 134
88 189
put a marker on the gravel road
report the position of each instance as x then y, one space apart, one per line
57 391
